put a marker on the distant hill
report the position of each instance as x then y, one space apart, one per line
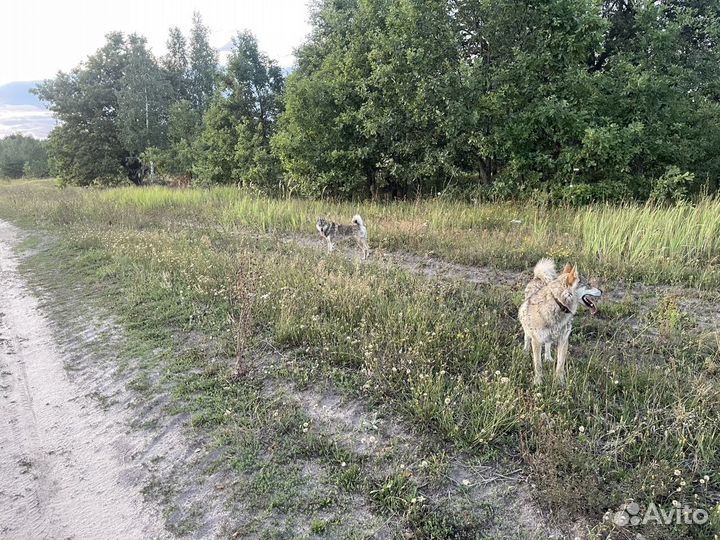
22 112
18 93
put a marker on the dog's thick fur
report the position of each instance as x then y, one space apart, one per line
546 315
333 232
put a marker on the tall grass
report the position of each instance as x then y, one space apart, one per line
156 197
682 241
645 242
650 243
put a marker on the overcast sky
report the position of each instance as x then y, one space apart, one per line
40 37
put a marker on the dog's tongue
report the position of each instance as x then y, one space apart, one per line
593 307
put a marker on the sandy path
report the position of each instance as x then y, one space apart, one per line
62 474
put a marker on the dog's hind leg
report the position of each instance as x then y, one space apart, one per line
537 360
526 347
365 248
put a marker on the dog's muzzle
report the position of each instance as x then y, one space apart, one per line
590 298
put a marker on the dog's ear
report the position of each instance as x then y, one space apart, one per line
567 268
572 277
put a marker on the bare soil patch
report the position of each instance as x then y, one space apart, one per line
67 468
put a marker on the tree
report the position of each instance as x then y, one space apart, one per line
662 75
185 117
203 66
143 100
377 101
320 141
586 99
241 120
179 158
413 98
21 155
580 100
524 70
86 145
176 65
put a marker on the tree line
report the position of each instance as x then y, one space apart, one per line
577 100
23 156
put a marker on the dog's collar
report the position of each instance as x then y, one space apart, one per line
562 306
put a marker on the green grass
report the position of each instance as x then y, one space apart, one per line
446 357
636 242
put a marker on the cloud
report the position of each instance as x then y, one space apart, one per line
25 119
39 38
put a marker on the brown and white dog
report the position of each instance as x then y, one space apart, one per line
546 315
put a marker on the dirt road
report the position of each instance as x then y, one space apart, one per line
65 466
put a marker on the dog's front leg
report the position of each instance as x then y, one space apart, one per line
537 360
329 244
562 350
548 352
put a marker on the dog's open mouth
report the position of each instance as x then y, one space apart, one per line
589 301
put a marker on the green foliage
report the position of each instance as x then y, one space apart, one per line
573 101
122 102
411 125
191 75
178 158
322 102
23 156
87 144
235 143
507 98
202 67
143 100
673 186
669 316
176 63
318 526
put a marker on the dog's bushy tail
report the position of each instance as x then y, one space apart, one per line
545 270
358 220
